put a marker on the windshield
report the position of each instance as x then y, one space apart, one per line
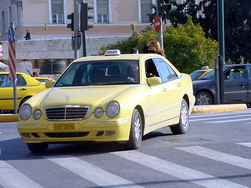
100 73
196 74
211 74
208 76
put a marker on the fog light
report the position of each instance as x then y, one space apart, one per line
109 133
27 135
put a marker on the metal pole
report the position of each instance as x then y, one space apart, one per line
76 26
221 43
84 44
160 33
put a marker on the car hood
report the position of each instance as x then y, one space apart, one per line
96 95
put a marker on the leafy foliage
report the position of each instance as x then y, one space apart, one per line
187 48
237 24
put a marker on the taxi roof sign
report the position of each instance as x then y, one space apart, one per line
112 52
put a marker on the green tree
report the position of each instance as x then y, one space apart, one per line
187 47
237 24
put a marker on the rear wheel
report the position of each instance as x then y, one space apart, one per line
135 139
203 98
38 148
182 126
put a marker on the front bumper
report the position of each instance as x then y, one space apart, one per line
75 131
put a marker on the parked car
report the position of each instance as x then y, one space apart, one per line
44 79
26 87
197 74
108 98
237 86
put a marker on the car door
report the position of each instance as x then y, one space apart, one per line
7 95
163 97
236 83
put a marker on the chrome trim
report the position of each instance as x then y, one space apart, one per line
110 122
65 108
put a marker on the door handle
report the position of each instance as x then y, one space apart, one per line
242 85
164 89
178 84
23 89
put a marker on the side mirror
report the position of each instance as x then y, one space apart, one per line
152 81
49 84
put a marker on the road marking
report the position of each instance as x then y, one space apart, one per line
233 120
248 144
92 173
175 170
213 118
12 178
218 156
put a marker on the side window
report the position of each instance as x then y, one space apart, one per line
166 72
20 80
151 70
249 72
235 73
172 73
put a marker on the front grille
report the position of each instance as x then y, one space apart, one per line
67 135
67 112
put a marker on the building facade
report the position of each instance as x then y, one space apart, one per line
46 20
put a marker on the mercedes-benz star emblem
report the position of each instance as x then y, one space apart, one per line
67 99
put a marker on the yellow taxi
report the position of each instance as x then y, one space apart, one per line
108 98
44 79
26 87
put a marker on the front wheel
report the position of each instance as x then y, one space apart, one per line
136 134
203 98
38 147
182 126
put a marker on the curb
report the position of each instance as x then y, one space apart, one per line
218 108
196 110
9 118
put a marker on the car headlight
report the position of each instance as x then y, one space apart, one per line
98 112
37 114
25 112
112 109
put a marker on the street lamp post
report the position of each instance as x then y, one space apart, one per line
221 56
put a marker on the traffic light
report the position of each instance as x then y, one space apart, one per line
71 25
85 16
166 8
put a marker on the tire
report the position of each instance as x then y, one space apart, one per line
23 101
38 148
182 126
204 98
136 134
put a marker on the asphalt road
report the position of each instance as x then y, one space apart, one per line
216 152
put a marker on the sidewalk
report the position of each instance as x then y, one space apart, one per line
196 110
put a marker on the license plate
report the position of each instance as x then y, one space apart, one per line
63 126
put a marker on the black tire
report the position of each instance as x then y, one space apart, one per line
38 148
23 101
182 126
136 134
203 98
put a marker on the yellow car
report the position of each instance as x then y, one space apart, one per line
44 79
108 98
26 87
